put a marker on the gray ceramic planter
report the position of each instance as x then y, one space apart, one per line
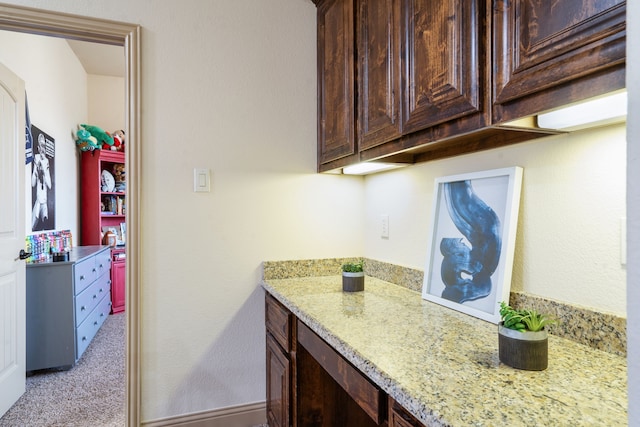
523 350
352 282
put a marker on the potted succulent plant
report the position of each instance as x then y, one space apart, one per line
523 339
353 276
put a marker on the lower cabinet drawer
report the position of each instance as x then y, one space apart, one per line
87 330
90 297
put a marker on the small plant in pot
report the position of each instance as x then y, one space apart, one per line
522 338
353 276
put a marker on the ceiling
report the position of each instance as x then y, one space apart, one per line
99 59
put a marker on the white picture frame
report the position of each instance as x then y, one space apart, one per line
472 241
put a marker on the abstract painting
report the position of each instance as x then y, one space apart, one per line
472 239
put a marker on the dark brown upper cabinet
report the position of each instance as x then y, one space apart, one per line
418 80
443 56
551 53
336 81
378 35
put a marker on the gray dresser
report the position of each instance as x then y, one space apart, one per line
67 303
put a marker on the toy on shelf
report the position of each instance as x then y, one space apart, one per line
118 140
92 137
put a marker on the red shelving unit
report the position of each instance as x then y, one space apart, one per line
101 209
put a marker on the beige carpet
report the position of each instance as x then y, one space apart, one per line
92 393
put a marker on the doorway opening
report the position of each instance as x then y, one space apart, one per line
88 29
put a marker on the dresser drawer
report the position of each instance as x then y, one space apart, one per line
88 329
103 263
84 273
90 297
278 322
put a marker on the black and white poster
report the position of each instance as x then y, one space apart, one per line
43 188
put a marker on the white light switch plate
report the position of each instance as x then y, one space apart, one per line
201 180
384 232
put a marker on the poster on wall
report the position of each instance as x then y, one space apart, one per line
43 187
470 255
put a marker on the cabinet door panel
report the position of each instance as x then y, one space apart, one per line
539 45
336 105
278 385
442 59
118 286
378 72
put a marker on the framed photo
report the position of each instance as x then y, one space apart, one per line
473 233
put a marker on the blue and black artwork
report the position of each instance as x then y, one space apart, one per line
466 272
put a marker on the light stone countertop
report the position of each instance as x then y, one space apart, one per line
443 366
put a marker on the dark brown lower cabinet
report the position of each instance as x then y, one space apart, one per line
309 384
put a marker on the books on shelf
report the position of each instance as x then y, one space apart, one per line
112 205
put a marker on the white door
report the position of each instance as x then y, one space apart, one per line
12 234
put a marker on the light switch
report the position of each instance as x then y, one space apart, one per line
201 180
384 231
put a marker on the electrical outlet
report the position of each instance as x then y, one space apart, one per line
384 232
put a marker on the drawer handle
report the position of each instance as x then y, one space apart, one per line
101 266
93 270
81 277
95 323
83 308
84 338
95 296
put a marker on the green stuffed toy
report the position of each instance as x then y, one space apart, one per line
85 141
101 135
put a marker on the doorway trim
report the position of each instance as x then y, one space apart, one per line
75 27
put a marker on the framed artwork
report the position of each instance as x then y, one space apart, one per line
472 239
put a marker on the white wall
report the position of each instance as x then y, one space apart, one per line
633 210
106 102
568 240
56 86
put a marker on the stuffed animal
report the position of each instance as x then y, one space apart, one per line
100 134
119 175
85 141
118 140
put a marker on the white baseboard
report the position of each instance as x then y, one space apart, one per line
250 415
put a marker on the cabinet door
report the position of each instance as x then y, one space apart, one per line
278 385
443 58
399 417
118 290
552 53
336 95
378 36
